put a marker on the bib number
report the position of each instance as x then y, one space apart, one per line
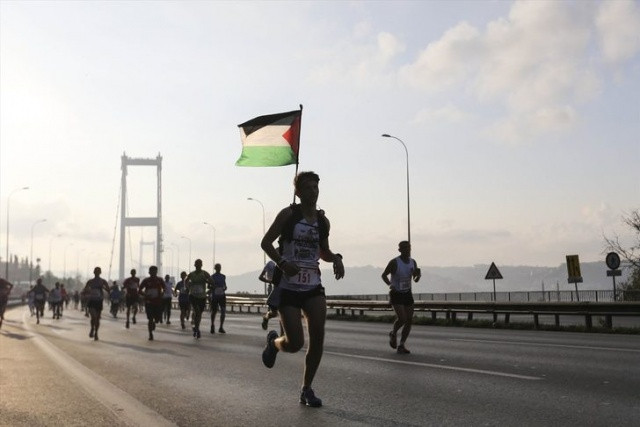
306 276
404 285
303 277
197 290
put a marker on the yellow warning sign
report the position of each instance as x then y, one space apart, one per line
493 272
573 268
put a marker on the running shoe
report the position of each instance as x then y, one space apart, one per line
393 340
150 336
91 333
270 350
265 322
198 333
168 322
308 397
127 324
402 349
95 336
182 324
221 330
134 320
213 329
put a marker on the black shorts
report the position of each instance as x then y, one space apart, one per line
154 312
94 304
401 298
184 305
198 303
219 302
131 300
297 299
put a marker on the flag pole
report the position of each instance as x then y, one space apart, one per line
298 152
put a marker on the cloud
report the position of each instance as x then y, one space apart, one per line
446 114
366 63
516 128
537 63
618 27
444 62
388 47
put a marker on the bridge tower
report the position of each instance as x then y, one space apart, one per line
155 221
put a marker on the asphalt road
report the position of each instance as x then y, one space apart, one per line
53 374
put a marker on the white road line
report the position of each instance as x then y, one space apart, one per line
533 344
434 366
124 406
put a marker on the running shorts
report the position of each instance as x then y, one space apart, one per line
298 299
401 298
95 304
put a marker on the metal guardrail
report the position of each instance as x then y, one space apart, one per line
451 309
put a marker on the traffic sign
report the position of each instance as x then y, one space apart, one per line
613 260
573 268
493 272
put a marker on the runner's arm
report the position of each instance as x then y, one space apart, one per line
390 269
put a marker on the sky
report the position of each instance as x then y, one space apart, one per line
521 121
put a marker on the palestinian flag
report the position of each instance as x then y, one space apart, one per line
271 140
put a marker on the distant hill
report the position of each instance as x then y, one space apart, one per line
366 280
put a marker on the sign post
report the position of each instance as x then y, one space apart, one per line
573 268
613 262
493 274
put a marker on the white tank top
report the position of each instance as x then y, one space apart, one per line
401 279
304 251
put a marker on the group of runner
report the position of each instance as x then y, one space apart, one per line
293 275
156 295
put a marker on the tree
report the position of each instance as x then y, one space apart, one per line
631 287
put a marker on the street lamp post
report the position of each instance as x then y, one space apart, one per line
89 259
214 243
78 252
31 255
172 266
50 243
178 260
386 135
6 273
64 271
184 237
264 255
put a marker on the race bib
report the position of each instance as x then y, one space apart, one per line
306 276
197 290
39 297
151 293
404 285
95 293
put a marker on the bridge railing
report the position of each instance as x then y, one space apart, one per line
453 309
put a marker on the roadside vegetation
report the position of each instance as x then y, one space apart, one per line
630 255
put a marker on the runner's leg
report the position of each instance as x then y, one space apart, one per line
315 310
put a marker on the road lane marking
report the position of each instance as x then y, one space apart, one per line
586 347
124 406
435 366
